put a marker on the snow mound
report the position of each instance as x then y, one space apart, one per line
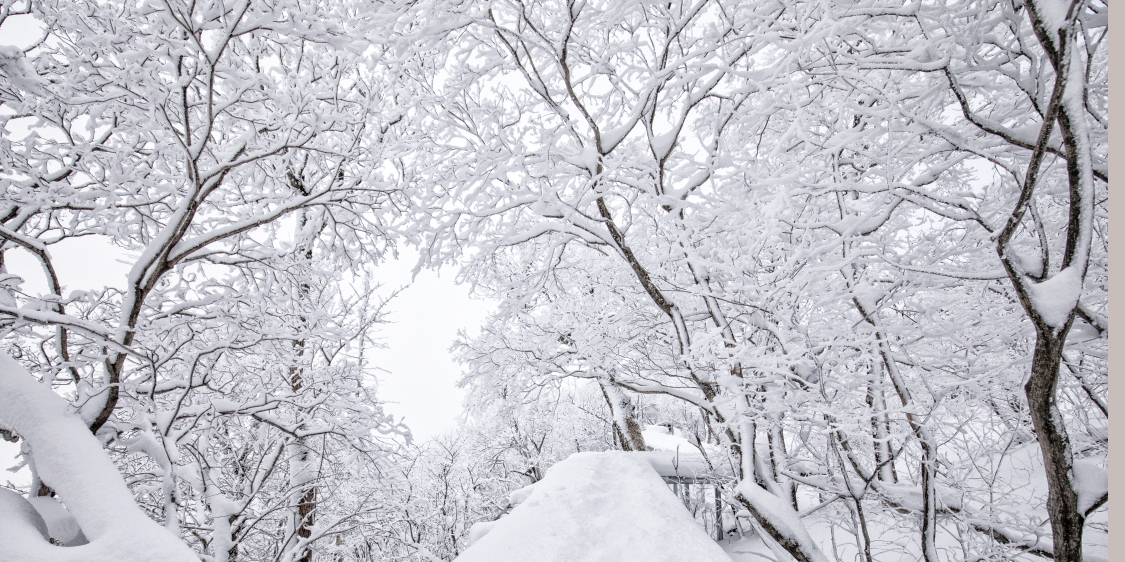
666 438
519 496
61 525
479 530
597 507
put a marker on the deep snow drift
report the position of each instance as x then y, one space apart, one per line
610 506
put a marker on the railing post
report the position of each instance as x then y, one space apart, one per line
719 534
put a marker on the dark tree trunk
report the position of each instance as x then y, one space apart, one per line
1062 501
305 508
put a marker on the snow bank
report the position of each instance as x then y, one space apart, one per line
61 525
479 530
671 464
597 507
20 524
665 438
71 460
519 496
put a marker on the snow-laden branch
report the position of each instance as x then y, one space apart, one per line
72 461
47 318
780 522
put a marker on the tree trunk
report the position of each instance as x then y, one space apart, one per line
778 458
1060 40
625 424
301 479
1067 521
880 427
300 473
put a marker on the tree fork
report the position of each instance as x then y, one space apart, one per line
1067 521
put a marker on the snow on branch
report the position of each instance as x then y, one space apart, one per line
780 522
72 461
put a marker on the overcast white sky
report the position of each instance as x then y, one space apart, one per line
421 379
417 377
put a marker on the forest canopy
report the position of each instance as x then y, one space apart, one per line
850 255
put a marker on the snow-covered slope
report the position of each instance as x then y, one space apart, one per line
593 507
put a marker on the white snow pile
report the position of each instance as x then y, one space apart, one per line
667 438
518 496
61 525
610 507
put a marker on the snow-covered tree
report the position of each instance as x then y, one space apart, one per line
196 136
777 213
831 238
